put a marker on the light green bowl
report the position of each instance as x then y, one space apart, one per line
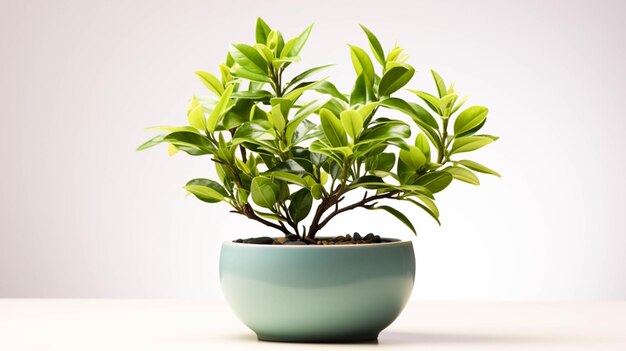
312 293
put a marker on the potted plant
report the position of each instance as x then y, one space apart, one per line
287 148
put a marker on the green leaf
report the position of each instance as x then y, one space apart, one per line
219 109
420 116
257 132
295 93
362 64
413 158
385 131
152 142
252 95
332 128
381 162
352 122
429 99
422 143
262 31
211 82
431 208
377 49
206 190
435 181
361 92
300 205
475 166
441 86
302 76
300 116
469 119
470 143
299 166
277 119
249 58
195 115
241 72
290 178
326 87
399 215
463 174
295 45
394 79
263 191
317 190
188 140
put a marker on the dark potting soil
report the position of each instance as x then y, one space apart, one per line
354 239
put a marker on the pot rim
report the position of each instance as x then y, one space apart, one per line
391 242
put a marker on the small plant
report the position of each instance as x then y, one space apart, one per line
288 147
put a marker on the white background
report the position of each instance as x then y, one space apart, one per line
83 215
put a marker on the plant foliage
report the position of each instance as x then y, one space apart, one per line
288 149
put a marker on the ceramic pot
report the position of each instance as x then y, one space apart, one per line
314 293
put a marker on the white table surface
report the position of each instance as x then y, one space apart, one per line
92 324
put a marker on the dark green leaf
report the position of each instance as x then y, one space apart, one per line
300 205
394 79
399 215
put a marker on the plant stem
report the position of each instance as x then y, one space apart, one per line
442 147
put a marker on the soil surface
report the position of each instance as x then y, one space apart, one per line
354 239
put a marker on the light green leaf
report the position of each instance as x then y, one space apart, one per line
278 120
262 31
441 85
470 143
219 109
211 82
426 208
302 76
352 122
264 192
206 190
399 215
317 190
241 72
300 116
475 166
333 130
469 119
422 143
463 174
295 45
429 99
362 64
394 79
290 178
377 49
249 58
195 115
